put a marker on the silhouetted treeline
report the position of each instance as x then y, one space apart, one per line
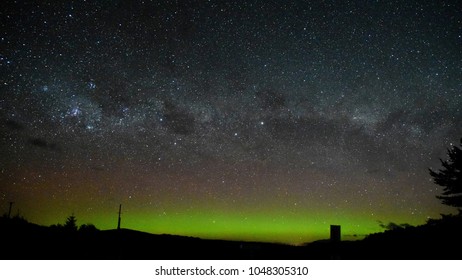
437 239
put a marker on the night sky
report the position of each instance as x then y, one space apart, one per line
244 120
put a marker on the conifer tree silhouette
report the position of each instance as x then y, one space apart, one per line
71 223
450 177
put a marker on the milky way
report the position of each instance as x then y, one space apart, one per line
255 120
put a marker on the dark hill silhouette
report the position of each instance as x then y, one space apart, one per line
437 239
23 240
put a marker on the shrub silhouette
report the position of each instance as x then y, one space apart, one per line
87 229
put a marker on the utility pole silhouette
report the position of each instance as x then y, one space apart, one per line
9 211
120 212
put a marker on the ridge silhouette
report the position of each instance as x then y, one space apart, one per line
24 240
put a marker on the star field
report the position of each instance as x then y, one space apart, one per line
255 120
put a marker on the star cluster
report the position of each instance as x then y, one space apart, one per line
256 120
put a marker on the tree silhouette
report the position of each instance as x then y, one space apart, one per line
71 223
87 228
450 177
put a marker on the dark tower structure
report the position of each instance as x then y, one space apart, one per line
120 212
335 234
